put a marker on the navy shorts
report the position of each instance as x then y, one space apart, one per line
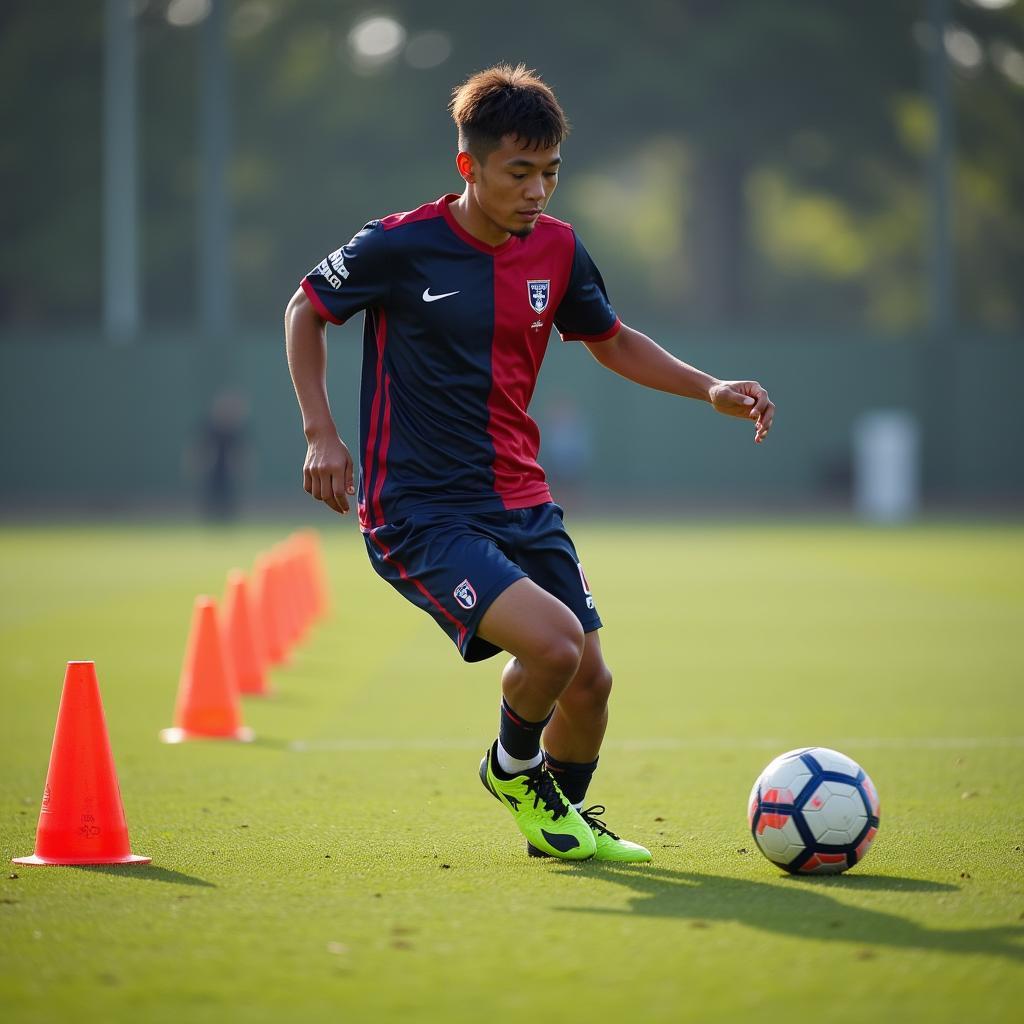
454 566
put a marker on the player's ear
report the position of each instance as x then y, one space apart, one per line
464 162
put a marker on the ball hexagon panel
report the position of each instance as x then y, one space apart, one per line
835 814
833 761
778 837
783 780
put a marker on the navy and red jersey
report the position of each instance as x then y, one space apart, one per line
454 335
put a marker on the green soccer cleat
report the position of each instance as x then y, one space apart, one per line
610 848
550 823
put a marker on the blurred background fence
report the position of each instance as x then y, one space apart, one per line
828 197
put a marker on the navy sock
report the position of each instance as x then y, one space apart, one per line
573 779
521 739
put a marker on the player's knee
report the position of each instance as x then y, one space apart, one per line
590 690
563 658
560 654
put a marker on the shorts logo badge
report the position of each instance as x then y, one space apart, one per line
539 292
465 594
586 585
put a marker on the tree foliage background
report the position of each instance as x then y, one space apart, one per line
750 163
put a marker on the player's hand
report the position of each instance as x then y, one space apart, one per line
327 471
745 398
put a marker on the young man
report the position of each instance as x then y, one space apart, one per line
460 296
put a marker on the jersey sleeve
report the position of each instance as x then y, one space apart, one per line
352 278
585 314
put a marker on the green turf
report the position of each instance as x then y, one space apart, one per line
348 865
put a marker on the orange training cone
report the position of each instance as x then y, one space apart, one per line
240 640
82 819
268 621
310 541
304 558
304 583
300 618
208 706
288 604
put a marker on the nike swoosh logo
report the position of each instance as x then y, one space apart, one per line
427 297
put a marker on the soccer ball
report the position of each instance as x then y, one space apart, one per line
814 811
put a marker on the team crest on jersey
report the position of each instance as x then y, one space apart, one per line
465 594
539 292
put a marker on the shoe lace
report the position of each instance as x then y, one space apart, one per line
545 791
590 816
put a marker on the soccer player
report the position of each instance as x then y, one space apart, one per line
460 297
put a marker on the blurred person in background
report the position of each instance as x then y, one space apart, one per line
567 449
460 296
217 459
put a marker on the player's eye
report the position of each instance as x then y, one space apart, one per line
551 174
518 177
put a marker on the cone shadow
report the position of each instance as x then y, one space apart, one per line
149 873
271 743
793 908
277 698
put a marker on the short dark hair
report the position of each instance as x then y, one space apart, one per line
505 100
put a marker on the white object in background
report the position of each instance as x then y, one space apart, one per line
886 466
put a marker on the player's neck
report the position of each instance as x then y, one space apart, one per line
466 211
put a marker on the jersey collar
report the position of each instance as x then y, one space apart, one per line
492 250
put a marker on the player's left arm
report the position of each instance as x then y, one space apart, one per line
636 357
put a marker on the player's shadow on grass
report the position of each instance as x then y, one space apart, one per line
799 906
145 871
870 883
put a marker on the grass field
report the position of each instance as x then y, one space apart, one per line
349 866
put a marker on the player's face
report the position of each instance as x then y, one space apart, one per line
514 184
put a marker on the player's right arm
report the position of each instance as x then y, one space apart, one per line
352 278
327 470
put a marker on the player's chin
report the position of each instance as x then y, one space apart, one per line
522 230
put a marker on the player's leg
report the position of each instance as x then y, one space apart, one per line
572 743
572 739
455 571
546 553
577 728
546 642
